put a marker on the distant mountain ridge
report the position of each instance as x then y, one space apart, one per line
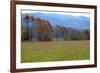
77 22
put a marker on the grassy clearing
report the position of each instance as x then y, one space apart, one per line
54 51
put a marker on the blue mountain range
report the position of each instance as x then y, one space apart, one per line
77 22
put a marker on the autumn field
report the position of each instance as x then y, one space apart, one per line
54 51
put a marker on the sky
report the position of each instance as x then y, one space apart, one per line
86 14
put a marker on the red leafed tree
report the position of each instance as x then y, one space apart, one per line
44 30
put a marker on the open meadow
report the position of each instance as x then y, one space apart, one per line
36 51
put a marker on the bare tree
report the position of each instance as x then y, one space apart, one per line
28 20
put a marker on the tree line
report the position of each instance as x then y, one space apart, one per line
41 30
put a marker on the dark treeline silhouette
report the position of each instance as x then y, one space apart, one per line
41 30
